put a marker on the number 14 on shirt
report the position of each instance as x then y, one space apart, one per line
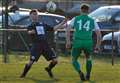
85 26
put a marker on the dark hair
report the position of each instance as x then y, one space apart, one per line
85 7
34 10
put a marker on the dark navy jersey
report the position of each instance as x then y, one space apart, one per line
41 30
13 8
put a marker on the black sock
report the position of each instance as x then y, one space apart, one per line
26 69
51 65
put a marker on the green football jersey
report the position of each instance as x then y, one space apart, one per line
83 26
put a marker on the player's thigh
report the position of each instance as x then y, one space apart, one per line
88 46
35 52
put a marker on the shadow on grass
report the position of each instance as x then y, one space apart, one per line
91 81
44 81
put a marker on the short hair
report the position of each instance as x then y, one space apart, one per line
34 10
84 6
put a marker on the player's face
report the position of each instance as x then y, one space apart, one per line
85 11
34 16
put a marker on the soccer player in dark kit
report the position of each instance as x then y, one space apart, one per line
37 32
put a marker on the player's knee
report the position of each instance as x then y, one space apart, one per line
74 61
87 55
54 61
89 59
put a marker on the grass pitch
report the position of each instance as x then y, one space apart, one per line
102 72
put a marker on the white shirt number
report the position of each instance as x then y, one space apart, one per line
40 30
85 26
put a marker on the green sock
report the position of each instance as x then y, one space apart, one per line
76 65
88 66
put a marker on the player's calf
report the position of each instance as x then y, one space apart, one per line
26 69
49 72
50 67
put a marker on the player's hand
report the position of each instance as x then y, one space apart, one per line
31 32
68 45
97 49
65 20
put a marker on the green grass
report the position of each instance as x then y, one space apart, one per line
102 72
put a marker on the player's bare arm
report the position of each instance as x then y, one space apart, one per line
68 37
31 32
61 25
98 33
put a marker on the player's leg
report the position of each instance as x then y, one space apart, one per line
88 51
35 54
51 65
75 54
88 66
50 55
26 68
53 57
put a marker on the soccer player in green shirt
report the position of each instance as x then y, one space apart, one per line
83 26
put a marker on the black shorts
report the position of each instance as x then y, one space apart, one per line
42 48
